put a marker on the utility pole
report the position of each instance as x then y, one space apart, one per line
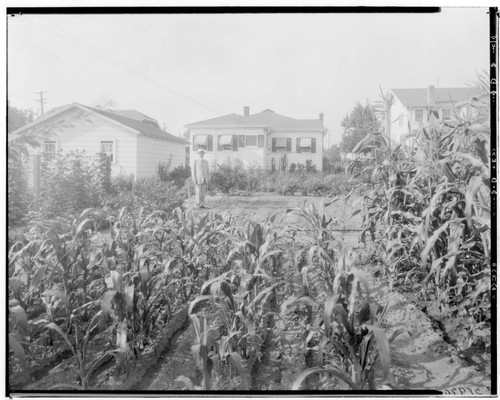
42 100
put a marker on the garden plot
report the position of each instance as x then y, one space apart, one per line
421 358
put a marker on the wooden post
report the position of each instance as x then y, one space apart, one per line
36 174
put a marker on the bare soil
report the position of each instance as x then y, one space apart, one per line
422 358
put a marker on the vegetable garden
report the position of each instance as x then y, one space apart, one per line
262 297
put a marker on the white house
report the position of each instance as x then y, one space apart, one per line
415 108
261 139
134 141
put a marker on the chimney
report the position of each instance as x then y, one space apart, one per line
246 111
431 94
321 116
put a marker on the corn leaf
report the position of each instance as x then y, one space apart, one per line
20 314
56 328
383 349
197 300
186 381
238 363
317 370
66 385
106 301
474 184
58 294
37 278
17 348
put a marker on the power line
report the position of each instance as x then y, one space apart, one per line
68 36
57 57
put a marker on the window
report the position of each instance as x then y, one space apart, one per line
419 115
306 145
204 142
108 148
49 150
281 144
251 140
225 142
446 114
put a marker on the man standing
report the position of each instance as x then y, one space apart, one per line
201 178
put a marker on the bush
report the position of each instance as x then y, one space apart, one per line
150 193
18 195
71 183
229 178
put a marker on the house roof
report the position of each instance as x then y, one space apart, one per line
133 114
267 118
142 127
419 97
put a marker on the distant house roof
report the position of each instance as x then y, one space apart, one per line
266 118
144 128
133 114
419 97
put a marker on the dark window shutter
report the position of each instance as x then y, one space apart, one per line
273 145
210 144
219 147
242 141
195 146
298 145
235 142
313 145
260 141
289 144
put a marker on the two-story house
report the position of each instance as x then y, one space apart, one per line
261 139
416 108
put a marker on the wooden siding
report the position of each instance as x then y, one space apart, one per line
399 114
150 152
76 129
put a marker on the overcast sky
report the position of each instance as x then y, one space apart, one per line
181 69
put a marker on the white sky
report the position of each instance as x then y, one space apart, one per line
181 69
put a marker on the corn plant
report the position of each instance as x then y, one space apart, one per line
429 216
242 302
79 346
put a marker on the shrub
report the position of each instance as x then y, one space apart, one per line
122 183
228 178
179 175
18 195
150 193
73 182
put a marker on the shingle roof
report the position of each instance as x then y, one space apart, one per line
418 97
266 118
133 114
230 119
143 127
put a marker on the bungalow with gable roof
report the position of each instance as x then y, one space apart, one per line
417 108
134 142
264 139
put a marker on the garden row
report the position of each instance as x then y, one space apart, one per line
75 181
241 283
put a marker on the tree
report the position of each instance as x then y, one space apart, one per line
17 118
332 159
360 122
